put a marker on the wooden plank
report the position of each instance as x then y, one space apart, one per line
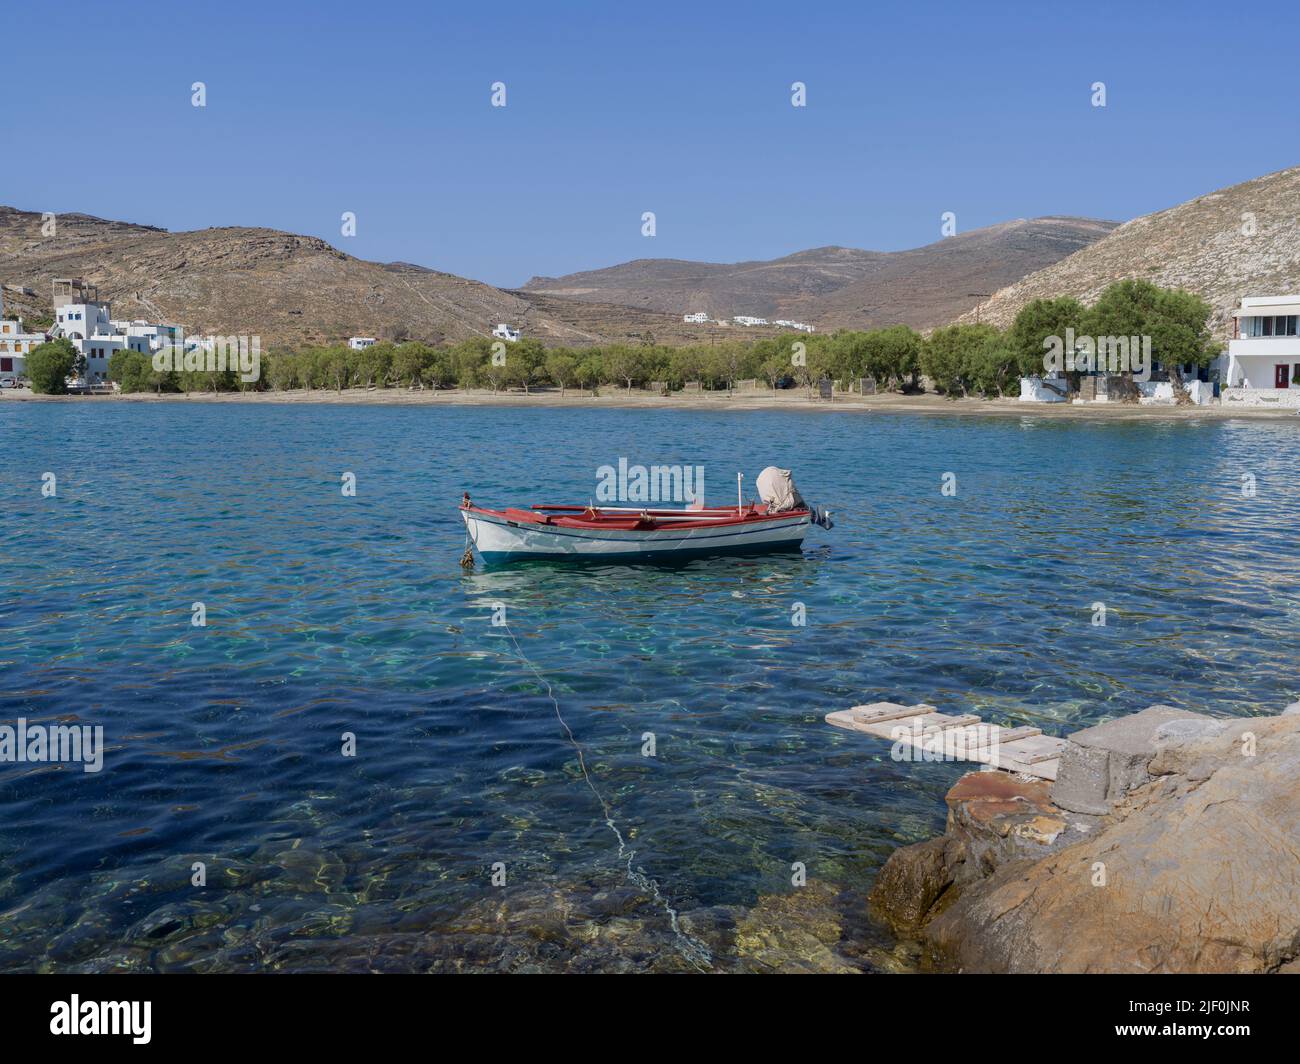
1011 735
1022 749
884 729
878 712
950 723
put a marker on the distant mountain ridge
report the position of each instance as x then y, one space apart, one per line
294 289
1237 241
287 288
838 287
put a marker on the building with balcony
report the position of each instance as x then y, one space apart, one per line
1263 356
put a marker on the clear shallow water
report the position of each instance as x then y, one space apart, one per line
329 614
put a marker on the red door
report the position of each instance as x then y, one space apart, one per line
1281 375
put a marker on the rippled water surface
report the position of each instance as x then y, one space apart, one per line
330 615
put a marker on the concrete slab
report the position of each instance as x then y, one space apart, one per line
1100 765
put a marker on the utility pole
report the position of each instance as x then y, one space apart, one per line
978 295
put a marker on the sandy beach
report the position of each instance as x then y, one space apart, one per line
789 401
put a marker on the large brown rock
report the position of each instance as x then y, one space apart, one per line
994 819
1197 870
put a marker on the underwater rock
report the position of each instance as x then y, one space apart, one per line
308 871
172 922
794 932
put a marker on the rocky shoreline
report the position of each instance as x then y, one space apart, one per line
1170 842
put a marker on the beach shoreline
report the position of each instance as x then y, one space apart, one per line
789 401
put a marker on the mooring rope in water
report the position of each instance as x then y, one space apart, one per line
691 948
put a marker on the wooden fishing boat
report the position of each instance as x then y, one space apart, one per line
636 533
629 533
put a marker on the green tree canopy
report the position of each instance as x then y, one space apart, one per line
49 365
1038 320
893 354
950 353
1176 321
561 367
130 370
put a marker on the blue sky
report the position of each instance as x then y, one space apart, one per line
383 109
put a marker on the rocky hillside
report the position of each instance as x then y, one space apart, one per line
287 288
838 287
1242 240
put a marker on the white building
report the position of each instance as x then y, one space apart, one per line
698 318
83 318
15 344
794 325
504 332
1263 355
745 319
360 343
154 336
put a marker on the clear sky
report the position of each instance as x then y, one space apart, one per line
383 108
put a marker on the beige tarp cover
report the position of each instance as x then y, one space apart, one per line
776 488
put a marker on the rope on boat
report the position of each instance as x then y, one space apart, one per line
695 952
467 559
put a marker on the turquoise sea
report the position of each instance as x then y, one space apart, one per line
499 811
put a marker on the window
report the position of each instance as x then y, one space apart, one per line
6 365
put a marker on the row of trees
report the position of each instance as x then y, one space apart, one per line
960 359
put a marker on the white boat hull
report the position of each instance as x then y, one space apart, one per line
498 539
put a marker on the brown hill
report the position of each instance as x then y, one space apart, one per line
287 288
838 287
1205 245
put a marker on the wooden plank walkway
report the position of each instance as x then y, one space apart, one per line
929 735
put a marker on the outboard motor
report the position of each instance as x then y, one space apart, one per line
776 488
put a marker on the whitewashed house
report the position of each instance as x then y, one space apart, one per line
152 336
746 319
504 332
15 344
81 317
360 343
1263 356
787 324
698 318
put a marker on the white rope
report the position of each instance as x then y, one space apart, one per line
691 948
